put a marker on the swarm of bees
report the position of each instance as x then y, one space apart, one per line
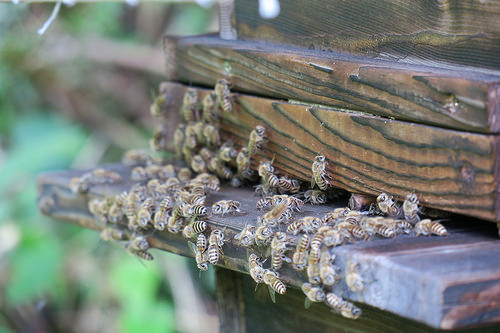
169 198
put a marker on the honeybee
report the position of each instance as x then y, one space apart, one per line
388 206
179 137
353 278
275 285
335 302
173 184
80 185
263 235
210 182
161 216
278 248
223 171
211 135
158 140
112 233
334 237
226 207
206 154
199 250
334 216
99 208
307 224
103 176
223 97
299 259
198 164
317 240
313 272
152 185
193 229
385 231
313 294
319 175
274 216
190 139
187 153
327 271
174 222
266 171
402 226
198 129
289 185
145 213
138 174
227 153
198 210
265 203
189 106
130 207
255 268
115 212
138 246
346 309
349 229
256 140
429 227
136 157
156 107
315 197
139 253
247 236
360 201
410 208
295 203
243 164
210 108
215 243
184 174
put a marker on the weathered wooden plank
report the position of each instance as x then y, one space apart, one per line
450 282
460 32
230 301
453 98
448 170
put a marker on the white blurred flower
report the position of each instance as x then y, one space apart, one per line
269 9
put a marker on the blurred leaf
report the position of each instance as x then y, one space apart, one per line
151 318
36 269
4 330
190 19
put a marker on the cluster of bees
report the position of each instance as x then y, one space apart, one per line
170 198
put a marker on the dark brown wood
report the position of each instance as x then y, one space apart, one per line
453 98
448 170
431 31
449 282
230 301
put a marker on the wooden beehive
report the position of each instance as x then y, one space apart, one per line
401 97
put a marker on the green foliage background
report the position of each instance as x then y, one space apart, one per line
54 276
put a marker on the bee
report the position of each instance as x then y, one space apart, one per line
353 277
153 170
199 250
192 230
215 243
206 154
410 208
317 240
429 227
174 222
156 107
173 184
158 141
385 231
334 237
130 209
263 235
227 153
319 175
145 213
189 106
198 164
138 246
111 233
179 138
226 207
350 229
300 256
103 176
275 285
337 214
136 157
197 210
306 224
335 302
360 201
223 171
401 226
138 174
161 216
141 254
289 185
265 203
167 171
256 140
388 206
99 208
247 236
222 93
191 136
315 197
255 268
79 185
211 135
313 294
278 248
350 311
210 108
210 182
274 216
313 269
243 164
115 213
152 185
184 174
187 153
327 271
198 129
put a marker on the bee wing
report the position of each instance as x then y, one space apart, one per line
272 293
307 303
193 247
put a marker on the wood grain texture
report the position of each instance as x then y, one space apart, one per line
430 31
449 170
452 98
450 282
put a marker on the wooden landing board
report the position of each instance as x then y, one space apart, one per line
448 170
449 98
450 282
432 31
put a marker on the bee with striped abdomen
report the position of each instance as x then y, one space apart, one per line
199 250
278 248
179 138
319 175
138 174
211 135
263 235
410 208
315 197
145 213
138 245
189 106
223 207
428 227
327 271
198 164
256 140
353 277
255 268
112 233
313 294
210 108
289 185
223 95
387 205
275 285
215 243
247 236
299 259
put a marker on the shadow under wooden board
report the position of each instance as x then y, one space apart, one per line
415 31
449 170
445 282
451 98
